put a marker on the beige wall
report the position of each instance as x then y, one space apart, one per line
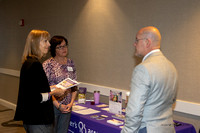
9 88
101 34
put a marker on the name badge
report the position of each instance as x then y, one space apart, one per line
69 68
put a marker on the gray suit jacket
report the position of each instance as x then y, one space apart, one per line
153 91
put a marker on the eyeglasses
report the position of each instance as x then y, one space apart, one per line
61 47
137 40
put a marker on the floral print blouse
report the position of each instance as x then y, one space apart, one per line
56 72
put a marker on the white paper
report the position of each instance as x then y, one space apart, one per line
115 122
77 107
115 102
87 111
102 105
106 109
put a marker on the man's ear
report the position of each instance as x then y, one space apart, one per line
148 43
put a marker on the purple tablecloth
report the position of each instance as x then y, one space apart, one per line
85 124
184 127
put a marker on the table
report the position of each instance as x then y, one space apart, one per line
85 124
184 128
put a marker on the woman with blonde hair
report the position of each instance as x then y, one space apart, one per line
34 105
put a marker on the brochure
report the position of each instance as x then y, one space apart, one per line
115 122
82 95
87 111
115 102
119 116
77 107
67 83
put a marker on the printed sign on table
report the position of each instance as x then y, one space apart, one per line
115 102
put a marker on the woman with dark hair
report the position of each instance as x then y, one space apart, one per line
34 105
58 68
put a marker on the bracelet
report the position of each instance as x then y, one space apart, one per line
59 107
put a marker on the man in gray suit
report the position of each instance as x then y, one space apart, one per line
153 87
